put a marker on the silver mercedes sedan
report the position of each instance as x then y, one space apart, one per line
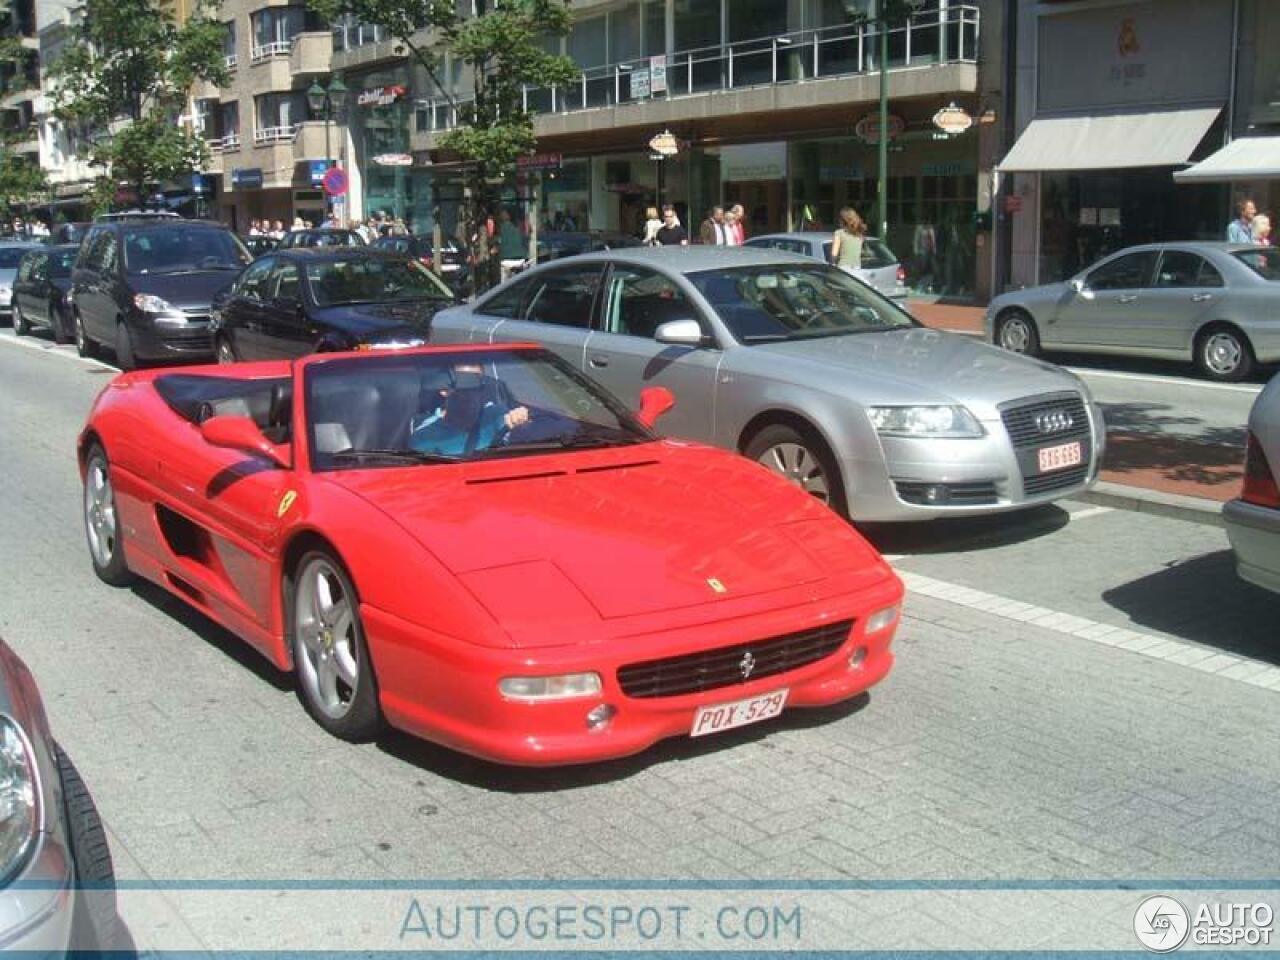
1216 304
811 373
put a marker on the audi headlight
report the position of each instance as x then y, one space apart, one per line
148 303
567 686
931 421
19 797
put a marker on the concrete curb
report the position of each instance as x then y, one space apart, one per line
1177 506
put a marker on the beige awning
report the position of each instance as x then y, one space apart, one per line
1158 138
1249 158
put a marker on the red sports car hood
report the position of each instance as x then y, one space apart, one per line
619 532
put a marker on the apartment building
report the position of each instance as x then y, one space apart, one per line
266 144
62 147
772 104
20 81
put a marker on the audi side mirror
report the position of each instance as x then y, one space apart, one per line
684 333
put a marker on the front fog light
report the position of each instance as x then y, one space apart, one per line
564 687
857 657
882 619
599 717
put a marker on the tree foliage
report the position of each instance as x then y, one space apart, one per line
502 52
21 180
125 77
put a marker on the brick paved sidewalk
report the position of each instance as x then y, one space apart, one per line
1167 464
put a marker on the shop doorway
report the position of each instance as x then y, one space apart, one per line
765 203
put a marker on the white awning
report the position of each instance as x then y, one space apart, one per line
1159 138
1249 158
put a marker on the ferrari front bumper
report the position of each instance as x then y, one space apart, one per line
446 691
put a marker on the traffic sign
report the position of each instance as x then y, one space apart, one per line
335 182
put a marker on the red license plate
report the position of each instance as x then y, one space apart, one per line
1060 457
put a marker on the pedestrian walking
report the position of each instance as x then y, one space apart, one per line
732 229
846 242
712 231
1261 230
1240 230
652 224
672 233
739 223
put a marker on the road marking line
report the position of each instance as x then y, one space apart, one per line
1229 666
1179 381
56 350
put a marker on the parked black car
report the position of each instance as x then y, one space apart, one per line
259 244
454 269
321 237
145 287
294 302
40 291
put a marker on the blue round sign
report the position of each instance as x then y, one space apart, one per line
335 182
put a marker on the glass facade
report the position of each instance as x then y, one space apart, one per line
378 111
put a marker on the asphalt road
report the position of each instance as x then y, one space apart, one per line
1080 694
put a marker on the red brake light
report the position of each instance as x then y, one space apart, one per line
902 274
425 261
1259 483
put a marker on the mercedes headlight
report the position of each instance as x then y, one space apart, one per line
149 303
931 421
19 797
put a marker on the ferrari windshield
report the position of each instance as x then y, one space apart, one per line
366 279
446 407
795 302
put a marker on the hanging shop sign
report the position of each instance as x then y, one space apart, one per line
868 128
381 96
641 87
394 160
665 144
248 177
952 119
658 74
317 170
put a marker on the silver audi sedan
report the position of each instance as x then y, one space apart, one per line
810 372
1215 304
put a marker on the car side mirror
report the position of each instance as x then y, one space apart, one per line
654 402
685 333
241 433
1077 285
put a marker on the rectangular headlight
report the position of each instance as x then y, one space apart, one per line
568 686
924 421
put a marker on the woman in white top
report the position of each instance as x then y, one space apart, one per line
652 224
846 242
731 233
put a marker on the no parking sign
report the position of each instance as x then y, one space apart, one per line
335 182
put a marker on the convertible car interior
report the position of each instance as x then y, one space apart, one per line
267 401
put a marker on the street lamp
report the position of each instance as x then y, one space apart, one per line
327 104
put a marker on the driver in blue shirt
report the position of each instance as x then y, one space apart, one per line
473 412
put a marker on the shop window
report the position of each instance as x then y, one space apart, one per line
654 28
756 19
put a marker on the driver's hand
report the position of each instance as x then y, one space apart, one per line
516 417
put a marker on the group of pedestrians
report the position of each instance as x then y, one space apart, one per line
34 229
722 228
1249 226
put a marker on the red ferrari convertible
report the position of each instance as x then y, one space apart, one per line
480 546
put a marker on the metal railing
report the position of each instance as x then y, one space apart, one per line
231 60
281 134
225 144
277 48
947 36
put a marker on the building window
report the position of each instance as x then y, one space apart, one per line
278 116
274 29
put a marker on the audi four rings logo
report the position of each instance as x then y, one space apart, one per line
747 664
1054 421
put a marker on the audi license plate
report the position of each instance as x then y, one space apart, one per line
1060 457
726 716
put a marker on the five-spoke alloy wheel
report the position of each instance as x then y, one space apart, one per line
102 521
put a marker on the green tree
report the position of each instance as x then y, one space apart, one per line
502 49
125 77
21 180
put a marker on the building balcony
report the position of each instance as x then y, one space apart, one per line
275 160
309 141
268 51
929 55
263 136
227 144
311 53
269 73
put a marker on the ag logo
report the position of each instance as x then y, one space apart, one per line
286 502
1161 924
1128 43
